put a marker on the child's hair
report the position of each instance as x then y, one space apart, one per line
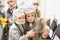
38 14
34 14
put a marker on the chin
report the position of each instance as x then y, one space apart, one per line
30 21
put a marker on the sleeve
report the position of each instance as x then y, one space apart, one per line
46 27
16 35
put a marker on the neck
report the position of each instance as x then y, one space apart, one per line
17 23
30 22
13 7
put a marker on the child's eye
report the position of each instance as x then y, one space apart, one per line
19 18
36 3
32 15
23 17
28 16
11 1
7 2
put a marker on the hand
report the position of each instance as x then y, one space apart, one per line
30 34
45 34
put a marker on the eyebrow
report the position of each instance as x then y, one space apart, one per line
9 1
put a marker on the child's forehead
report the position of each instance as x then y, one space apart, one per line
10 0
22 16
30 14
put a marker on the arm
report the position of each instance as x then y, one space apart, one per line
45 31
15 34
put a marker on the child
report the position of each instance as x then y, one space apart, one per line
37 5
12 6
9 14
34 22
17 31
3 20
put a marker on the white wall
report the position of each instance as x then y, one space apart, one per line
53 9
48 8
42 8
57 10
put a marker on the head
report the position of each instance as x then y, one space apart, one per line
1 3
36 3
30 17
30 14
19 16
11 3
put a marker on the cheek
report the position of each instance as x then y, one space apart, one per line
27 17
33 17
30 18
14 3
19 20
22 20
11 4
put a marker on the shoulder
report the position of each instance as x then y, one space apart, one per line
38 19
13 26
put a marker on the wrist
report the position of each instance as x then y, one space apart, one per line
26 36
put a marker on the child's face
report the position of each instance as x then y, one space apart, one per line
36 4
30 17
11 3
21 19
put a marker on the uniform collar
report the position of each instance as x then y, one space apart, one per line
14 7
